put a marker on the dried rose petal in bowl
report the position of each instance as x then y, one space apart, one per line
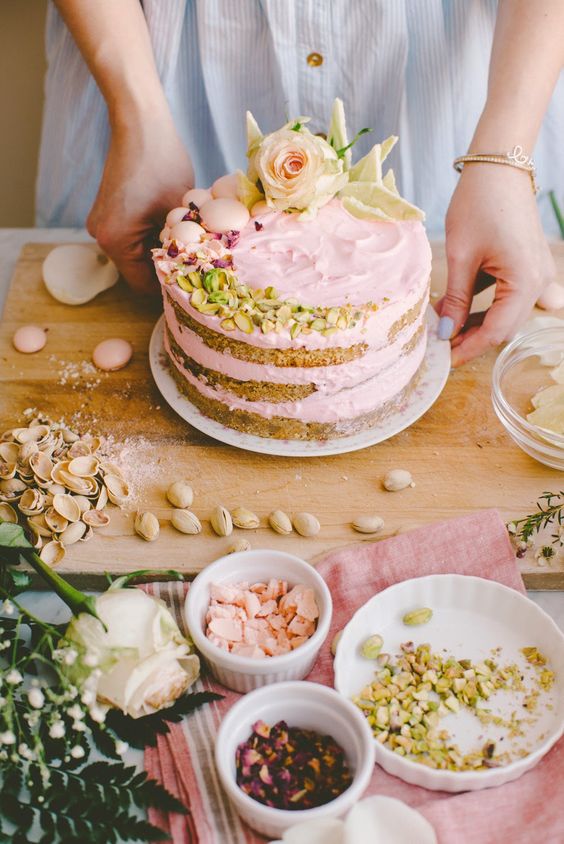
291 767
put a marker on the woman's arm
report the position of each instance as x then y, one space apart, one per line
147 169
492 225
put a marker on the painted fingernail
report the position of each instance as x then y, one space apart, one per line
446 327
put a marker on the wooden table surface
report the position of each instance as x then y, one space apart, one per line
459 455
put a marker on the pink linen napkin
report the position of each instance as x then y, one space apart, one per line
528 809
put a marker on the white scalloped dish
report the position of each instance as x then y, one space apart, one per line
471 616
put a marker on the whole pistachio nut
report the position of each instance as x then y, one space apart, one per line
245 519
221 522
416 617
306 524
280 522
180 494
146 525
368 524
185 522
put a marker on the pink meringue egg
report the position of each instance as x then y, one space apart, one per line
175 216
552 297
196 195
112 354
260 208
225 186
29 339
187 232
224 215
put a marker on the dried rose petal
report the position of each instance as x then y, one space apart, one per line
290 767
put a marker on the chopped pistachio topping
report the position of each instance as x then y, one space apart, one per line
413 690
218 292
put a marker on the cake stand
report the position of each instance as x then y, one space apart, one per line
436 367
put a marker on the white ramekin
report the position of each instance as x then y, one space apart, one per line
307 705
242 673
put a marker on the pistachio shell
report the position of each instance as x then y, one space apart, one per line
69 436
88 534
85 467
54 520
180 494
67 507
102 498
8 471
78 449
221 522
26 451
12 489
245 519
368 524
72 533
306 524
9 452
108 468
117 489
36 433
8 514
280 522
32 502
185 522
42 465
52 553
96 518
146 525
83 502
39 524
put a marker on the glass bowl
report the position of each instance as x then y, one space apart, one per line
521 369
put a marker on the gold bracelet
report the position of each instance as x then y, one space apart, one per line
515 158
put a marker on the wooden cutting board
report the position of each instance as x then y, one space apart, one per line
458 453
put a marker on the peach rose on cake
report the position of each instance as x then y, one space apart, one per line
296 170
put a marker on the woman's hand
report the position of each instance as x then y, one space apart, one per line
146 173
493 236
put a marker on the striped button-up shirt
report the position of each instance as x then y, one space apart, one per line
414 68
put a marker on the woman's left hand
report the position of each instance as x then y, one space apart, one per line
493 236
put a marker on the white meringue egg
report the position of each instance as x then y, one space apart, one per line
176 215
29 339
225 186
76 272
260 208
224 215
112 354
165 234
196 195
187 232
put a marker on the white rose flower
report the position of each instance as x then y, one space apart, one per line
145 663
297 170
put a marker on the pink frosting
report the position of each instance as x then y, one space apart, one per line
335 259
329 379
387 263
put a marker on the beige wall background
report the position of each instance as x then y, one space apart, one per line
22 68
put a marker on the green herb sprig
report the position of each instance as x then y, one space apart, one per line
550 511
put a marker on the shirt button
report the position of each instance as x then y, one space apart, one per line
315 59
